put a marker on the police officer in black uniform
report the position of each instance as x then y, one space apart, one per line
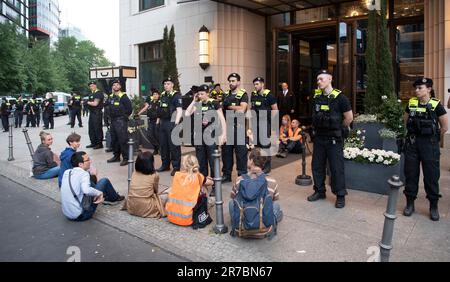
120 111
332 114
427 123
107 120
263 100
5 111
152 108
38 112
209 112
48 112
31 109
18 113
75 103
170 103
235 100
95 104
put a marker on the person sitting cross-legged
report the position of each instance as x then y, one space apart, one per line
290 139
45 162
76 185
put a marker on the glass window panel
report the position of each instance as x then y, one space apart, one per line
283 57
316 14
150 4
408 8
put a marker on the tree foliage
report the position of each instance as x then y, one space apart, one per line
170 56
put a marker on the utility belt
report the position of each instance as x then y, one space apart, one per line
424 127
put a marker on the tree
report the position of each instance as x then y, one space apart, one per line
379 62
170 56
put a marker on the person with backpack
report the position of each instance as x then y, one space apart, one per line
254 201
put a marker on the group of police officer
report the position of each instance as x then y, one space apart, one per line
425 117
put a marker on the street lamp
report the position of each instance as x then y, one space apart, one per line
204 47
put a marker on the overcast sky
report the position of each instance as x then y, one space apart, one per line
97 19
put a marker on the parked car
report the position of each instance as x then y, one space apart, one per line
61 102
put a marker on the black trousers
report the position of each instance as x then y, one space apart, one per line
5 123
18 119
153 134
49 121
331 150
205 158
119 137
169 152
292 147
424 151
38 119
31 120
96 128
76 113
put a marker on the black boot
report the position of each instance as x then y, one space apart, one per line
434 211
115 159
316 196
340 202
409 210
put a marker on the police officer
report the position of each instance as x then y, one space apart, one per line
120 111
235 101
209 111
107 120
5 111
217 93
18 113
38 112
48 112
427 123
332 114
75 103
151 107
170 103
263 100
95 104
31 109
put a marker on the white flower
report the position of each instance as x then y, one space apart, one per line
384 97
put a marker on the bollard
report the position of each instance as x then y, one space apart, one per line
130 161
11 145
304 180
390 216
220 227
30 148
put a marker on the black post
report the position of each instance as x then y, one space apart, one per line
390 216
220 227
11 146
130 162
30 148
304 180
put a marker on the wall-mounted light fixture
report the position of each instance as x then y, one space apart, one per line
373 5
204 47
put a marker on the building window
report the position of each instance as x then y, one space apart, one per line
149 4
151 67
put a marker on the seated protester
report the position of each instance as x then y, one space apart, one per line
76 185
186 188
66 156
291 143
144 199
45 162
247 192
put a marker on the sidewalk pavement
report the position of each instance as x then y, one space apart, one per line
308 232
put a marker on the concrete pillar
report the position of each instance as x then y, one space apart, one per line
437 49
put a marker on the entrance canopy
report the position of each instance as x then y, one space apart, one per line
274 7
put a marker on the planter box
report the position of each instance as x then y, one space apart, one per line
370 177
390 145
373 139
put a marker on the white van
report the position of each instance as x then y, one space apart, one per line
61 102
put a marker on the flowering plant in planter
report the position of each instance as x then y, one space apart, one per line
367 156
355 139
387 134
366 119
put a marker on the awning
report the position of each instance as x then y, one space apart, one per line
274 7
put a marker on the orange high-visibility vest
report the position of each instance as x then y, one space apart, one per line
183 198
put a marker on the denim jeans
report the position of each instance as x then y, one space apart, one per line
49 174
105 186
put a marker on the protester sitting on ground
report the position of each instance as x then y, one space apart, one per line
251 187
45 162
186 188
292 141
76 185
144 198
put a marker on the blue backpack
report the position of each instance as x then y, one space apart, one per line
252 212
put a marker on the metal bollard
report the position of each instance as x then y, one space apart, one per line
220 227
11 146
30 148
130 161
390 216
304 180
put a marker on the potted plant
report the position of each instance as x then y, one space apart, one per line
371 126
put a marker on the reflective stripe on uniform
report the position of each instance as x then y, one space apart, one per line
174 214
182 203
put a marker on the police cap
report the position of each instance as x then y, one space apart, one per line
169 79
216 85
203 87
258 79
423 81
114 81
92 82
324 72
235 75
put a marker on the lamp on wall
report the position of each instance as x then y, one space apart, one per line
373 5
204 47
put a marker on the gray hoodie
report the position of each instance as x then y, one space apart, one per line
43 160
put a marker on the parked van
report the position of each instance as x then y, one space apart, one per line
61 102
